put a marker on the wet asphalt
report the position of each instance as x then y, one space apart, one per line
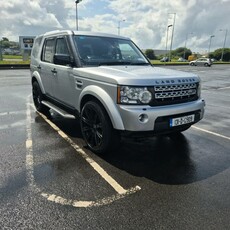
183 181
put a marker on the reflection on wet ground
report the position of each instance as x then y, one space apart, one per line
162 159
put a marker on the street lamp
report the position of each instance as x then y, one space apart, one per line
186 43
119 25
166 46
226 32
174 18
77 1
212 36
1 50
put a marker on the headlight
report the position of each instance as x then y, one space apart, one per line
133 95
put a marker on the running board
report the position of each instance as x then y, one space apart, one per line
62 112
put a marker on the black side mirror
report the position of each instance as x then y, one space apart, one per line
63 59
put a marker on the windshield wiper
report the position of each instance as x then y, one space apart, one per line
114 63
123 63
139 63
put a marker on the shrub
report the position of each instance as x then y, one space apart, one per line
150 54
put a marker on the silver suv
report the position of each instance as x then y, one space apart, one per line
108 83
201 62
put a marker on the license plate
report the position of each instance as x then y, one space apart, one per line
182 120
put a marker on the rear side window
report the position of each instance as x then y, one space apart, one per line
48 50
36 46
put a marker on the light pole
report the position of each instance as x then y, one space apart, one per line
174 19
166 46
119 25
212 36
222 54
186 43
1 50
77 1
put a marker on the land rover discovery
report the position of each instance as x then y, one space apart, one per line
108 83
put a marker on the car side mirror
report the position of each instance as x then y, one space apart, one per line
63 59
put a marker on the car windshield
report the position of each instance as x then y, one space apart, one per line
96 51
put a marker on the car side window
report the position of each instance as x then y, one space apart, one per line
61 47
48 51
36 46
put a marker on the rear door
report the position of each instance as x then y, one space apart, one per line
201 61
46 65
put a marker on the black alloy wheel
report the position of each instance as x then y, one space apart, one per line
97 129
38 97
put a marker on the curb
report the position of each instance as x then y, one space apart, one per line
14 66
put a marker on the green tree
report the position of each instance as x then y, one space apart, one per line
218 53
5 43
150 54
181 52
5 39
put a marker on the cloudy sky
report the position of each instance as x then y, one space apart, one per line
146 21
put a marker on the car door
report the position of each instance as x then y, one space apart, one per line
63 81
202 61
46 65
198 62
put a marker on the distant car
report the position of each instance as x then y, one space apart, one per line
164 59
182 59
201 62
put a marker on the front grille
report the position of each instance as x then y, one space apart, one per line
174 94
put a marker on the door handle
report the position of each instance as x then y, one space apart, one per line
54 70
39 67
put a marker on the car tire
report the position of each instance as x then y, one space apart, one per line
97 129
192 64
38 96
206 64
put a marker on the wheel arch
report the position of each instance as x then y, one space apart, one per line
36 77
100 95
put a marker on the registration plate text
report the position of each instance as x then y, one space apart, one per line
182 120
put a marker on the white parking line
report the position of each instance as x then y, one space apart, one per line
12 113
86 204
210 132
10 78
118 188
121 192
224 88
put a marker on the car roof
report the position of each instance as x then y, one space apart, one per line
83 33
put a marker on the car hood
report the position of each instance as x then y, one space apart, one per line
135 75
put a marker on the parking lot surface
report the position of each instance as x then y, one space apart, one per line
50 180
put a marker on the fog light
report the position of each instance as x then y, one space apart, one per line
143 118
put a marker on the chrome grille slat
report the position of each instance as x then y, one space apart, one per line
174 87
174 93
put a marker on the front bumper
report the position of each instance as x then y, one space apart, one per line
156 119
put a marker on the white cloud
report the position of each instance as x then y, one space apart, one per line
145 22
202 17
